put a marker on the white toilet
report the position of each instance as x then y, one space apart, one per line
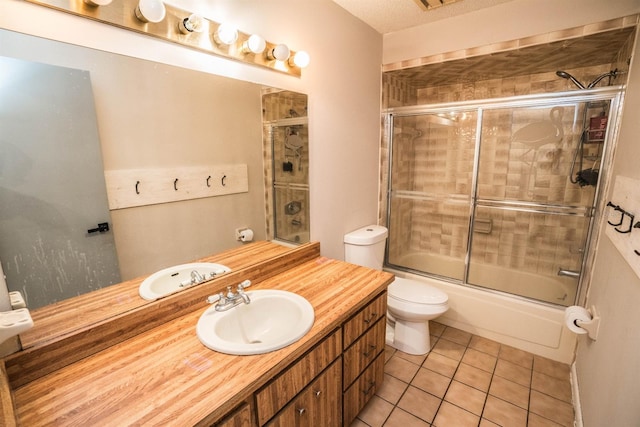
410 303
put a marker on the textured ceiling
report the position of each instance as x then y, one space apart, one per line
386 16
586 51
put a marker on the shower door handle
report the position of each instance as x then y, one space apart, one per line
568 273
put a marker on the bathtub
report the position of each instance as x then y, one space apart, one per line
554 290
293 240
520 323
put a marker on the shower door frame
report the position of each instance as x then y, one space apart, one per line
613 94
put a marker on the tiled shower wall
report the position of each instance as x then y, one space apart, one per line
278 105
531 242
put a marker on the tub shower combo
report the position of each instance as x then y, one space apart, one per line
500 194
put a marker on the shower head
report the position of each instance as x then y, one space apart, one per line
566 75
611 74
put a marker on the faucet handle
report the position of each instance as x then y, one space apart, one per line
215 298
244 285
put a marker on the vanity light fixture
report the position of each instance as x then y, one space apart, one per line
150 11
281 52
191 24
97 2
300 59
254 44
226 34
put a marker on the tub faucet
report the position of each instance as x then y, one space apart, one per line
568 273
231 299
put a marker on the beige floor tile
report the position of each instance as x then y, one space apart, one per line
481 360
436 329
391 389
536 420
485 345
441 364
516 356
474 377
413 358
450 415
504 413
510 392
449 349
554 387
551 408
419 403
375 412
551 368
400 418
487 423
431 382
388 353
457 336
358 423
466 397
401 369
513 372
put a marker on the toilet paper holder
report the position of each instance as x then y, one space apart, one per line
592 326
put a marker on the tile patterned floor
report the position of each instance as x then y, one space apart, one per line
467 380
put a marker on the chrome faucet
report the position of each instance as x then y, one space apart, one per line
231 299
196 277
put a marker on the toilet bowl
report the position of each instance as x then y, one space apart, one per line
410 306
410 303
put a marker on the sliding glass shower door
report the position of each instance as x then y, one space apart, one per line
499 195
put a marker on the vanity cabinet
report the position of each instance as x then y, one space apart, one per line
363 360
241 417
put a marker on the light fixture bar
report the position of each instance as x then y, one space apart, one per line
120 13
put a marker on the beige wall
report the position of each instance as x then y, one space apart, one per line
608 368
343 88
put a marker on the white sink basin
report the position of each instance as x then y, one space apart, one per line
274 319
177 278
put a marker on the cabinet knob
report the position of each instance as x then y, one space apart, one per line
318 393
371 318
372 385
301 411
370 351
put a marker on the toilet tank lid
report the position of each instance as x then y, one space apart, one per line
415 291
366 235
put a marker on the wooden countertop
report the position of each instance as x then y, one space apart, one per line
165 376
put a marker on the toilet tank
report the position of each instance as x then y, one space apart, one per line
365 246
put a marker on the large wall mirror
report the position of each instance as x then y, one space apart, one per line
93 111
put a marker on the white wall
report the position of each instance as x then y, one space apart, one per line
343 87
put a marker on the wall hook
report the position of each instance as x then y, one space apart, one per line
208 178
175 184
624 213
619 209
137 183
224 177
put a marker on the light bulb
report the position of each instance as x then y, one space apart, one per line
226 34
191 24
280 52
150 11
300 59
255 44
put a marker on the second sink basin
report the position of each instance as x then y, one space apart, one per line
274 319
174 279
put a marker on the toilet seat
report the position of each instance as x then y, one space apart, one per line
415 292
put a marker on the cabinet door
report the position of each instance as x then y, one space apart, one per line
363 389
364 351
319 405
240 418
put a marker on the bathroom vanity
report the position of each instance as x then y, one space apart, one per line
147 367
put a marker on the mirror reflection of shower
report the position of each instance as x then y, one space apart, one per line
286 151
